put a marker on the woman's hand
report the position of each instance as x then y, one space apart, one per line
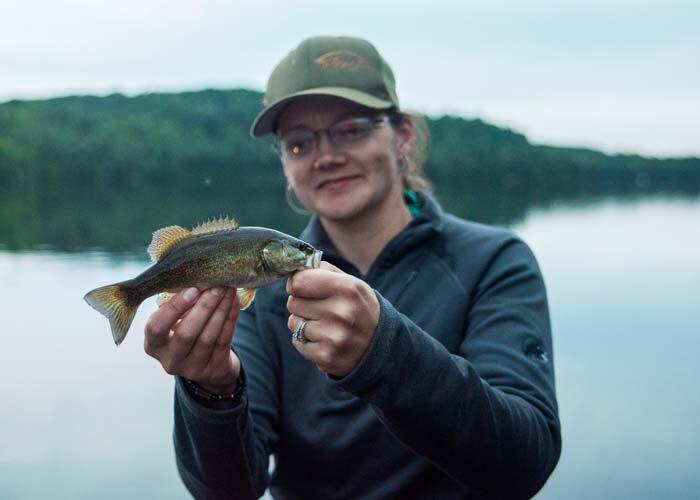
191 336
341 312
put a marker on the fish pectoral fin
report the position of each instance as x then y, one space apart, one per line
246 296
166 239
164 297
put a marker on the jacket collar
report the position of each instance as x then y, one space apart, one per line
421 228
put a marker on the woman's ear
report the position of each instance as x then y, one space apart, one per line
406 136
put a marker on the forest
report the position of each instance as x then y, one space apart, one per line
103 172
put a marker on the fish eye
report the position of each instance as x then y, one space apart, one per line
306 248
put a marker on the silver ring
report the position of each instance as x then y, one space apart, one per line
298 333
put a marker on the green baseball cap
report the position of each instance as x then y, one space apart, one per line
345 67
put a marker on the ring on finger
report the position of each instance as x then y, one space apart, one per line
298 333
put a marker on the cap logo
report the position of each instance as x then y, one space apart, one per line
341 60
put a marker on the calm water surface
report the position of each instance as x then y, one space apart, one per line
81 419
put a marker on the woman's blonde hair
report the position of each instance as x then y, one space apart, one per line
411 165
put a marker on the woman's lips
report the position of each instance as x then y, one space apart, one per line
338 183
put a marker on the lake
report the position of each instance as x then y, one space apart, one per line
82 419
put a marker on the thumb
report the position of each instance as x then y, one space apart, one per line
329 267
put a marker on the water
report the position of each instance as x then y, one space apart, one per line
82 419
623 282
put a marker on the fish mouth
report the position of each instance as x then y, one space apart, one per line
313 261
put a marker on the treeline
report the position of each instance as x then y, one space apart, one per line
79 167
171 138
195 136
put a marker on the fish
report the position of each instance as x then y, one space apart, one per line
216 253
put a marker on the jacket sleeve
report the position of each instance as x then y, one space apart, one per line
487 414
222 450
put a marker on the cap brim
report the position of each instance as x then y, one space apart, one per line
264 123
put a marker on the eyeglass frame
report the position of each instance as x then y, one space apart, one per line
377 119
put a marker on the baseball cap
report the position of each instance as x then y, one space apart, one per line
345 67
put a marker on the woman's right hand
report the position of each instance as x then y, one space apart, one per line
191 336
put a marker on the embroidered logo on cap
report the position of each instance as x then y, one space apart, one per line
341 60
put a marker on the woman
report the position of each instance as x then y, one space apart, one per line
418 365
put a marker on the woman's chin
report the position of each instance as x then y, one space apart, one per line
339 210
339 204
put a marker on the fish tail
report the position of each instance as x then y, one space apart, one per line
114 302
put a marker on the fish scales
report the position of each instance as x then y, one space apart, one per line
211 260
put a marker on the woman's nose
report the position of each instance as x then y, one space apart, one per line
327 155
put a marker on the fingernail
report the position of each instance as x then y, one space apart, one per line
229 293
218 291
190 294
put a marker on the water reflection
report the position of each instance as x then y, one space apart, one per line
65 216
82 419
623 281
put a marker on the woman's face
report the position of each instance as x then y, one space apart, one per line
348 180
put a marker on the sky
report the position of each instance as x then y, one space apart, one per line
619 76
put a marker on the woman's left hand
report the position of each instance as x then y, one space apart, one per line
341 312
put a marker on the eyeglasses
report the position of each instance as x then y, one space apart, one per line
297 144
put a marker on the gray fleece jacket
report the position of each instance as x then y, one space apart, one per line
454 397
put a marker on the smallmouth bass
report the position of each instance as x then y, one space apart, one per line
216 253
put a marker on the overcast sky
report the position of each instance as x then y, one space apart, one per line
617 75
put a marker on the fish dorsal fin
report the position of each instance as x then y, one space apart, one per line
165 239
216 226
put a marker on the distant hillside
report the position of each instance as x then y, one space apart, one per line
174 137
105 171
